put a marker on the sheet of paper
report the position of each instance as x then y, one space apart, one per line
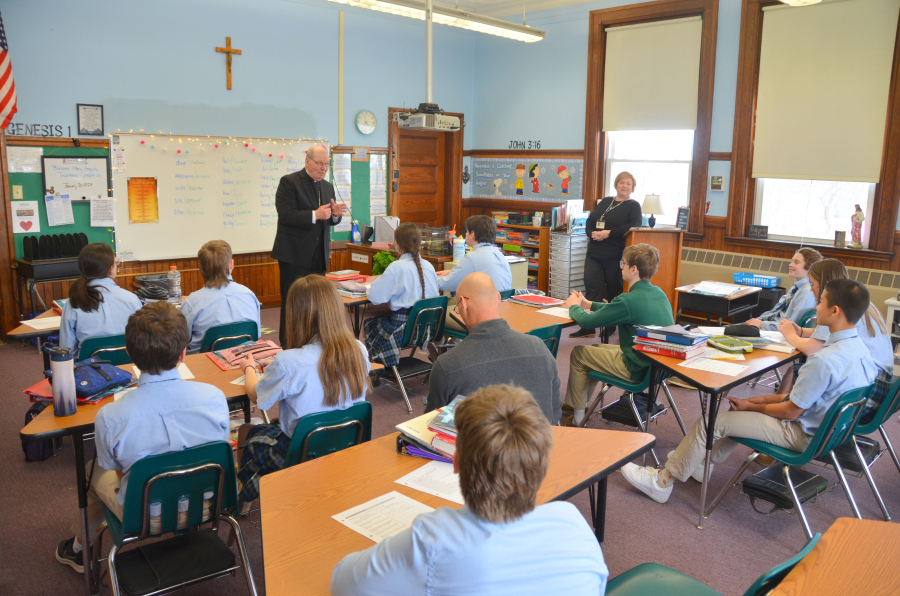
377 177
103 212
25 218
784 348
238 381
382 517
25 159
182 368
342 193
377 207
377 191
435 478
377 161
44 323
720 355
341 161
118 394
773 335
716 288
341 176
346 221
59 210
715 366
712 330
556 311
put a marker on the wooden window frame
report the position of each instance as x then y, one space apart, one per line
742 195
594 137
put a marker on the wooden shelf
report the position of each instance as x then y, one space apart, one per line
543 249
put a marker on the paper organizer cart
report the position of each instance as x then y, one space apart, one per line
567 254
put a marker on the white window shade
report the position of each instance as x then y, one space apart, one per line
651 75
824 76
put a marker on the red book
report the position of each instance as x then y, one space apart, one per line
445 437
344 275
687 355
439 444
533 300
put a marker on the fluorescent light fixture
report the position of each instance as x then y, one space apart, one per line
450 16
800 2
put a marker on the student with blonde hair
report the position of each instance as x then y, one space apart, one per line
221 300
500 542
322 368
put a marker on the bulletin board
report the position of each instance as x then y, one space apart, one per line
540 179
361 183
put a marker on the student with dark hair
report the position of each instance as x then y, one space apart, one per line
322 368
405 281
162 414
221 300
500 542
97 306
843 364
485 257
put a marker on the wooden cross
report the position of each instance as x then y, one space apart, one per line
228 50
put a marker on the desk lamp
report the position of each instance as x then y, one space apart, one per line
652 206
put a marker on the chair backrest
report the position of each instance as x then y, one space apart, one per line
839 423
326 432
769 580
108 347
807 319
507 294
889 405
229 335
550 335
426 322
169 477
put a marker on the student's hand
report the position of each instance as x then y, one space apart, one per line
444 273
600 235
337 210
754 322
788 329
739 405
574 299
247 361
323 212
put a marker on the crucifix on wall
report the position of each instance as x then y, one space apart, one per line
228 50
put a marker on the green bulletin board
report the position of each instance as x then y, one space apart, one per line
359 202
33 190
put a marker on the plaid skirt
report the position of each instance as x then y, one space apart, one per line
264 452
384 334
882 387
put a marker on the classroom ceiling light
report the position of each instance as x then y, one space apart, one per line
452 17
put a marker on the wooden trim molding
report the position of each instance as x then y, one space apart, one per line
720 156
741 203
828 251
21 141
349 149
8 315
508 204
714 222
546 153
595 138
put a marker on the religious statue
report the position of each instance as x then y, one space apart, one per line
856 221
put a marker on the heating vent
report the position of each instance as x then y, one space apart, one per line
779 267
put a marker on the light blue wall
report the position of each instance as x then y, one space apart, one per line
152 65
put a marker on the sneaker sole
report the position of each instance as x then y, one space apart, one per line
650 493
78 568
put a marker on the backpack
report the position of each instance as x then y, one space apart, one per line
37 450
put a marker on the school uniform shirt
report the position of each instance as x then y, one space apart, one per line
110 317
292 381
208 307
841 365
791 306
483 258
399 285
879 346
451 552
162 414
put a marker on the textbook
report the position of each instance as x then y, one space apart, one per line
342 275
697 350
445 444
672 333
668 345
443 422
415 437
59 305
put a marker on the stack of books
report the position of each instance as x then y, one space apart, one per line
345 275
59 305
43 392
536 301
444 440
671 341
353 289
416 437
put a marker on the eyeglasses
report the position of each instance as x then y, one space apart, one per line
621 263
321 164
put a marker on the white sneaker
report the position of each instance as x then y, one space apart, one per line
644 479
698 473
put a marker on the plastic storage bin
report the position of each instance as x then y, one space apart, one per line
753 279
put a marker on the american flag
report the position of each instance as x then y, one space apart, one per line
7 85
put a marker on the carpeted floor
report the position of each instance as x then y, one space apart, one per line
734 548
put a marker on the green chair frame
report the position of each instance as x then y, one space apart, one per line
322 433
507 294
550 335
425 324
838 427
107 347
808 319
652 578
167 478
229 335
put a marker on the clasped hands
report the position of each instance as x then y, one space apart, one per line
578 299
600 235
330 210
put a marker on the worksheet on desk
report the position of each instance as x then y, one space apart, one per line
556 311
382 517
42 323
715 366
435 478
182 368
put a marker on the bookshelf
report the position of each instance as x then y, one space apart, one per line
541 247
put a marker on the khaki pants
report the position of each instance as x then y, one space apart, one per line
103 490
602 358
691 453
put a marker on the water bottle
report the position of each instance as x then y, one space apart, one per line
355 235
62 379
174 284
459 248
155 518
183 506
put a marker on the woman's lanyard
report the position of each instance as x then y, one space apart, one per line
601 224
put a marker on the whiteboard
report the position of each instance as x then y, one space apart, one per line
208 188
79 177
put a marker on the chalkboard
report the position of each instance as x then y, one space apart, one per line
683 214
82 178
759 232
208 188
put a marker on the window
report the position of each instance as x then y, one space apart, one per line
661 163
811 210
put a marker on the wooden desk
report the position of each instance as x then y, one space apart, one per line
526 318
361 257
855 556
302 544
713 384
722 306
24 331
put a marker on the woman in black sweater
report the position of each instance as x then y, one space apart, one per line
606 228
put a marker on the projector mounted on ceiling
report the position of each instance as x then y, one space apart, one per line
428 116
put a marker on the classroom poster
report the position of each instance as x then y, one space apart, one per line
24 159
103 212
143 201
25 218
527 178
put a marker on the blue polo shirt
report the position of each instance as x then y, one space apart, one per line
110 318
879 345
843 364
791 306
483 258
400 286
208 307
162 414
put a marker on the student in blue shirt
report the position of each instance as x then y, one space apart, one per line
871 329
221 300
799 298
405 281
843 364
97 306
162 414
322 368
499 542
